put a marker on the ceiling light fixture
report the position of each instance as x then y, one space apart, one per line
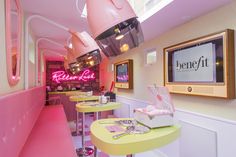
66 66
72 64
90 57
124 48
119 35
85 48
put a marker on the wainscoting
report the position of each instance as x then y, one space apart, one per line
201 135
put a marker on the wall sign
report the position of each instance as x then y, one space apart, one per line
189 64
59 76
202 66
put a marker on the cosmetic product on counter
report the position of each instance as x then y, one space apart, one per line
160 113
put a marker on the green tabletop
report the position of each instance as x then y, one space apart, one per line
63 92
84 98
76 93
96 107
133 143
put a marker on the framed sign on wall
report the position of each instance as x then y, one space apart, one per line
202 66
124 74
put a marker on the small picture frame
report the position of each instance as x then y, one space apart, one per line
124 74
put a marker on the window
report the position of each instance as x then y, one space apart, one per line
144 9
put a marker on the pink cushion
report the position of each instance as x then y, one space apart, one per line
18 113
50 136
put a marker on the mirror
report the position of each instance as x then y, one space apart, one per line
13 39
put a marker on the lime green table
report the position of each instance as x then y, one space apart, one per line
133 143
96 107
64 92
84 98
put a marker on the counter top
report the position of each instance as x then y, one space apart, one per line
133 143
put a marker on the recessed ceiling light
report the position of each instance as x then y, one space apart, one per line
91 63
124 48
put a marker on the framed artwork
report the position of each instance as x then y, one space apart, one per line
124 74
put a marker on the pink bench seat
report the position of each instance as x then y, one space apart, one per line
50 136
18 113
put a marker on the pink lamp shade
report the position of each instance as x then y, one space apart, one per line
66 66
70 55
72 63
114 26
85 50
104 14
82 43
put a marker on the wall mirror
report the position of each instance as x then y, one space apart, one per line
13 14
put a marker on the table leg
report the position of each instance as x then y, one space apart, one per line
83 129
95 148
84 151
97 115
95 151
76 132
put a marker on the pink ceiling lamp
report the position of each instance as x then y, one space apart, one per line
73 66
85 50
66 65
113 24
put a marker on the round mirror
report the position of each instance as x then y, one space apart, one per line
13 39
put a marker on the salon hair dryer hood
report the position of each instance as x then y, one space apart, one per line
82 43
85 50
105 17
66 66
70 56
71 61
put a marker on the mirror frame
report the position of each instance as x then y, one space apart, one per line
13 79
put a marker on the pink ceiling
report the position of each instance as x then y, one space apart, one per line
65 13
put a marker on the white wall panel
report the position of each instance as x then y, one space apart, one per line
202 135
196 141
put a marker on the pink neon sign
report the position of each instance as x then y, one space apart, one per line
59 76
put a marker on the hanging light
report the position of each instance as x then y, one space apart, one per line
85 50
112 21
119 35
66 66
72 63
124 48
90 57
